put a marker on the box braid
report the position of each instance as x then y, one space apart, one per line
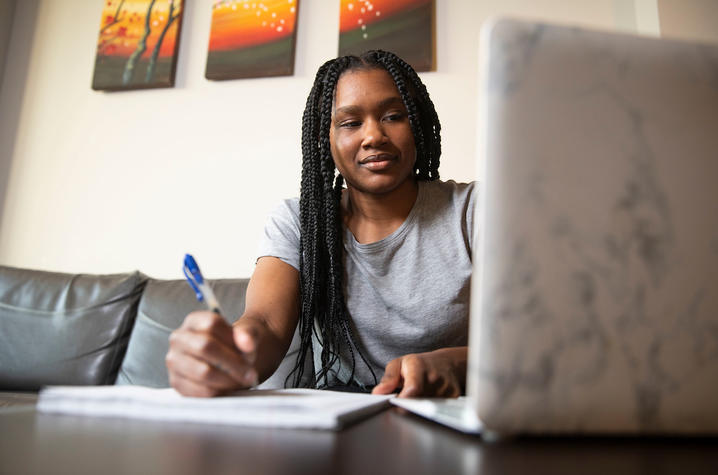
323 313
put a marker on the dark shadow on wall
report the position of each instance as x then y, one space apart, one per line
7 13
21 24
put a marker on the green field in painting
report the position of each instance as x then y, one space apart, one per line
109 69
269 59
408 34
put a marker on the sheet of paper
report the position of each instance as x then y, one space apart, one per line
459 414
289 408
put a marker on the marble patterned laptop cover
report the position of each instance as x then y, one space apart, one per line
596 282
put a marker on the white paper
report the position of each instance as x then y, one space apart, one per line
289 408
459 414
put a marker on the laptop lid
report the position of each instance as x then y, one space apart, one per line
595 291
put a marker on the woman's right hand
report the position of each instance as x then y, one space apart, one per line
208 357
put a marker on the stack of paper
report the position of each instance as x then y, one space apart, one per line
297 408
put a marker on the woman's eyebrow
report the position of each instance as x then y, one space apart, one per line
353 109
348 110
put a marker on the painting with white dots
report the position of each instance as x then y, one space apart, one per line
404 27
250 39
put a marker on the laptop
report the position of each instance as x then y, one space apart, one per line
595 287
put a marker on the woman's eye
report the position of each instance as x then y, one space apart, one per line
394 117
350 123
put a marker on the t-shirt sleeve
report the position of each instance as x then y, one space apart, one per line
281 233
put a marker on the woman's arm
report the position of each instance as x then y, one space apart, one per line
208 357
440 373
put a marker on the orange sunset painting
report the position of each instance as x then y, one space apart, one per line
251 38
404 27
137 44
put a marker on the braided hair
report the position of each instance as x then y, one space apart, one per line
323 313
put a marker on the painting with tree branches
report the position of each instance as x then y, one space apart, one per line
404 27
250 39
137 44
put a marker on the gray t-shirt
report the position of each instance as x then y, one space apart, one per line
407 293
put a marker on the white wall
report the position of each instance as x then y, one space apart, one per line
111 182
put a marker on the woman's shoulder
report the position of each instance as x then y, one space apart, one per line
449 190
283 218
449 203
286 208
449 185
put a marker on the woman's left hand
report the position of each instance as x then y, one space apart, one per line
440 373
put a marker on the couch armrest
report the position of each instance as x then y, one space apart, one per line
58 328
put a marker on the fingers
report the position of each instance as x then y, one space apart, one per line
203 360
208 322
245 338
391 379
197 378
189 388
420 375
413 370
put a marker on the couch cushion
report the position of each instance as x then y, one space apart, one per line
58 328
163 307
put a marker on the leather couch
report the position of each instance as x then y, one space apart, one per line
81 329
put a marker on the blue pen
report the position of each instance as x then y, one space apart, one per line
201 288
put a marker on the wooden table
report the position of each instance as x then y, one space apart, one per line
390 442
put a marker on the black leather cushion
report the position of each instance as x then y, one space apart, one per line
164 305
60 328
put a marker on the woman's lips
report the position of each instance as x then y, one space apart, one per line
377 161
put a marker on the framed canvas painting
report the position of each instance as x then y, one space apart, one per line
404 27
137 45
251 38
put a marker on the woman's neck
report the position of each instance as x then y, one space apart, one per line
372 217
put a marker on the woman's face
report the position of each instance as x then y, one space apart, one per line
371 139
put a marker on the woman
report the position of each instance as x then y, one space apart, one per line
375 275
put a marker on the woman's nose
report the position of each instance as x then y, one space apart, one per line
374 134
